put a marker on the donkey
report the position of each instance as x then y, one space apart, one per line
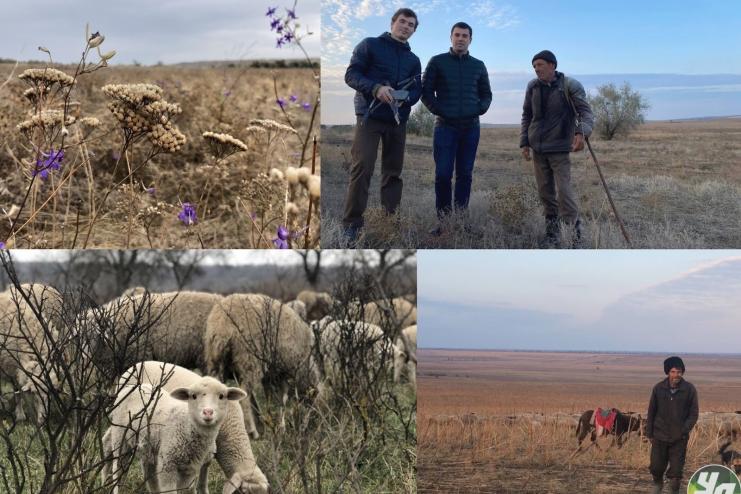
625 423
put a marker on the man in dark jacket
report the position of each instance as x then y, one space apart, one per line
377 68
550 127
455 88
672 413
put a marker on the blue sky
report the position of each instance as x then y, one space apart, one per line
655 46
169 31
560 300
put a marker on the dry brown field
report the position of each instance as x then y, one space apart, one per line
504 422
97 184
676 185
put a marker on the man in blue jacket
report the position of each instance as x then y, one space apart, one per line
456 89
378 67
549 127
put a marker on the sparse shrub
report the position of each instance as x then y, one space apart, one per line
617 111
421 121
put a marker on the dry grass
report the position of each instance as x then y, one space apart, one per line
505 421
217 98
676 185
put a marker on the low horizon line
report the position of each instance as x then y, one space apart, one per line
524 350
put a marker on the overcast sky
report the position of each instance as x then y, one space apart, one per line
577 300
680 55
169 31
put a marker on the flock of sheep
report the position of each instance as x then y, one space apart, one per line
175 419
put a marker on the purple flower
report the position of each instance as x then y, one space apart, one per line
291 13
279 29
253 216
281 241
2 245
188 214
281 102
306 105
279 43
271 11
227 94
288 36
150 190
293 98
51 161
275 24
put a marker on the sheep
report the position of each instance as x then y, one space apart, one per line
318 304
134 291
265 341
233 448
174 434
393 316
177 324
403 358
343 341
299 307
26 341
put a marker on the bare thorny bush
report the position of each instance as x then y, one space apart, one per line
275 207
78 361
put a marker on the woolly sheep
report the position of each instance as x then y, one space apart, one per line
233 448
264 340
341 340
178 324
400 313
21 332
174 434
299 307
403 358
318 304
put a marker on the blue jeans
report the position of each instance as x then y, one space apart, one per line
453 149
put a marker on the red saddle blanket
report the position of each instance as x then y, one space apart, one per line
605 419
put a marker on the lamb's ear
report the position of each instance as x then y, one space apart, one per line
231 485
235 394
180 394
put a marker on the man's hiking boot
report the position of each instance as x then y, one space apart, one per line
657 488
674 485
350 236
552 232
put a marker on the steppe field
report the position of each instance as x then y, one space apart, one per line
504 422
149 178
675 184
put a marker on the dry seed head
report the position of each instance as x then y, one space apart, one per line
91 122
276 175
315 187
292 209
31 94
292 175
255 129
96 40
303 175
47 119
272 125
134 94
224 140
47 76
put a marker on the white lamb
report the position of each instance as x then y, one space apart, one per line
174 433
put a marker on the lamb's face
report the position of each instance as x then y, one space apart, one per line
207 400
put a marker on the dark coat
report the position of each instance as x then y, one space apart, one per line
383 61
548 121
456 89
672 417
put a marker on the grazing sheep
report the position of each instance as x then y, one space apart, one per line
405 360
233 448
342 342
392 317
299 307
318 304
174 434
25 343
265 342
134 291
177 324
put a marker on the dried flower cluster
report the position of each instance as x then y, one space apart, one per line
271 126
265 194
48 121
140 110
223 145
46 78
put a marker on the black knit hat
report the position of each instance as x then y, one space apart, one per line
673 363
546 55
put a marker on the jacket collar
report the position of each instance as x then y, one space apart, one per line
555 82
402 44
665 384
455 55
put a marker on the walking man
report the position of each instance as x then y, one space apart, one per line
455 88
556 118
378 69
672 413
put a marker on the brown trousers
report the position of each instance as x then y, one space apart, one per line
553 175
364 153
